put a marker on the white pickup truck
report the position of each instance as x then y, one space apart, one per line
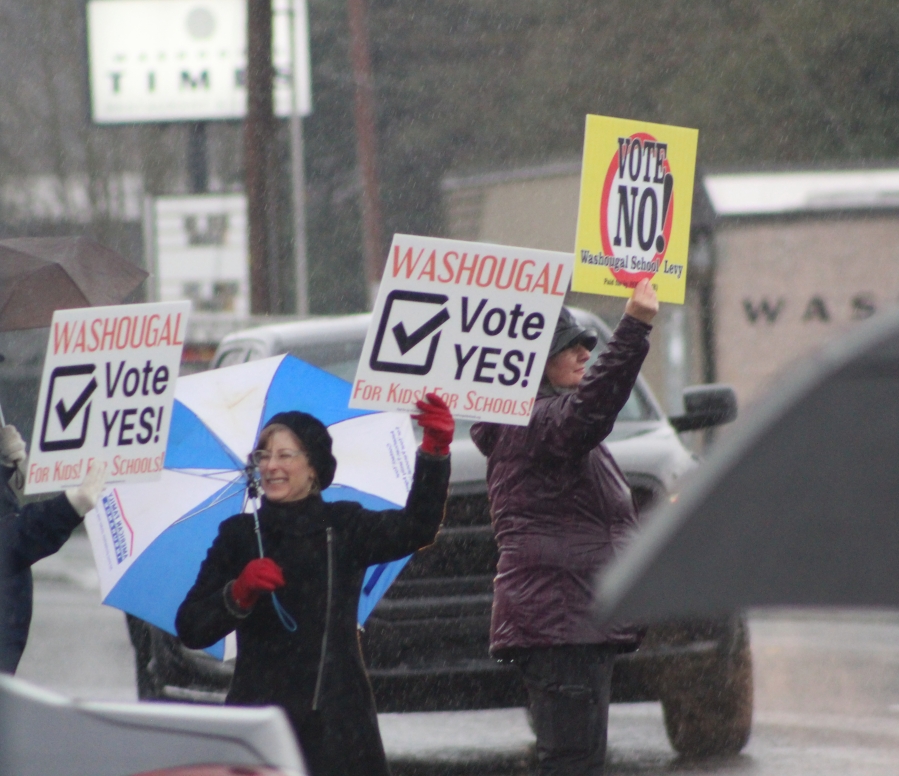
426 642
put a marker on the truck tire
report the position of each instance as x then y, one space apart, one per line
708 711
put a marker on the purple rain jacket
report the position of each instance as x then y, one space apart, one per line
561 507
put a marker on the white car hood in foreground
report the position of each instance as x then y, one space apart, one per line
45 734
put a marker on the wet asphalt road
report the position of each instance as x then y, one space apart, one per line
827 693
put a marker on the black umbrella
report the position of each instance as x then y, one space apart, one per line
798 506
41 274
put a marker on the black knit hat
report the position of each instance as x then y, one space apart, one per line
316 440
569 332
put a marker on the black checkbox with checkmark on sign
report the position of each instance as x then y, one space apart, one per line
67 410
414 319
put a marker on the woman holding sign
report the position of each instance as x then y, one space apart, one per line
561 510
288 581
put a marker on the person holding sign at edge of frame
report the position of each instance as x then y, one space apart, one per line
289 581
561 509
28 534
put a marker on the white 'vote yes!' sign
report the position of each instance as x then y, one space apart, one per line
470 321
106 394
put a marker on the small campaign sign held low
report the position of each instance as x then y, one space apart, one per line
106 394
470 321
634 213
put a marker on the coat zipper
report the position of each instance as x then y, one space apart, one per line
321 663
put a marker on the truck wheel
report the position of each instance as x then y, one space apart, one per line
709 712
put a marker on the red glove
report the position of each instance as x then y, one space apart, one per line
262 575
436 420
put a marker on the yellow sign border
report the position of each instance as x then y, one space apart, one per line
601 147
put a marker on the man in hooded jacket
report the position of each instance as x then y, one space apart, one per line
561 509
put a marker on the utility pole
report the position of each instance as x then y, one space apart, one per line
197 158
298 173
259 136
366 146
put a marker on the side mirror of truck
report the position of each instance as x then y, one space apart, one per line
706 406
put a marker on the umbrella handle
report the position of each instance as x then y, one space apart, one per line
253 493
256 526
289 623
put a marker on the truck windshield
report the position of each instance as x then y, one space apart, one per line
338 358
341 359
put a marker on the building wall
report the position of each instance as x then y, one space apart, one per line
785 287
532 208
538 216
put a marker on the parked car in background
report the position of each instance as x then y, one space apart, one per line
426 643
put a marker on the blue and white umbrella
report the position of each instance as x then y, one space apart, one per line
149 538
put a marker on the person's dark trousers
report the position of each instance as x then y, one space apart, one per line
568 688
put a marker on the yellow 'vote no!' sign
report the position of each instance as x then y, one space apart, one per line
634 213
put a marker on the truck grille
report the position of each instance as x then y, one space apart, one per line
437 613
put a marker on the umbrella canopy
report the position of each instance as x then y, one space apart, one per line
149 539
798 506
41 274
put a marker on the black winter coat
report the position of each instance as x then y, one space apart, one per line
27 534
561 507
316 673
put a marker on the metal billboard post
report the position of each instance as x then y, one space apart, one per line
298 175
258 138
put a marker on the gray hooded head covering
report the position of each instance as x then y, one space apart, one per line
569 332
